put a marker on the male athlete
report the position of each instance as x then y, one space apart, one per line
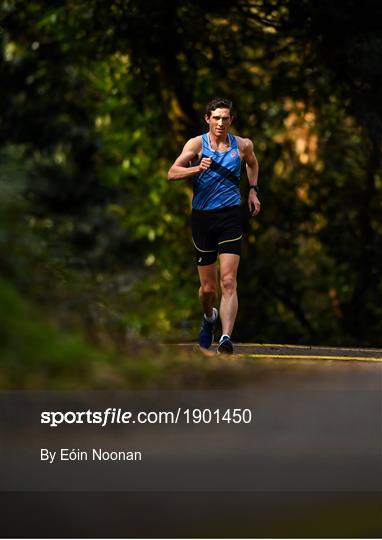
216 217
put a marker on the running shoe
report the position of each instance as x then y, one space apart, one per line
206 334
225 346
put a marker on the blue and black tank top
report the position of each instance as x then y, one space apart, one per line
219 185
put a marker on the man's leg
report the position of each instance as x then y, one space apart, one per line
208 285
207 295
229 263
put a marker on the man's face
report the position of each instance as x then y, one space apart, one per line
219 122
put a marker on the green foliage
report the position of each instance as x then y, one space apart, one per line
29 344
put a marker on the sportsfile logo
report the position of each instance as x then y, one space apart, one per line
111 415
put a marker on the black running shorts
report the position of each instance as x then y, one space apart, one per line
215 232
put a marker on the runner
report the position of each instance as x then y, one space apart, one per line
216 217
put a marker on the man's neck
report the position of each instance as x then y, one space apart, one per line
216 141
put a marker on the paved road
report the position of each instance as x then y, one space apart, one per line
308 352
300 352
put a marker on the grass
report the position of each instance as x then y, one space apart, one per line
36 354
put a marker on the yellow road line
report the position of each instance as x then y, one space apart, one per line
312 347
313 357
304 347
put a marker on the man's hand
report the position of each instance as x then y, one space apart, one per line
254 204
205 164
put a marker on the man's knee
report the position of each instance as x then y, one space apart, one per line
228 284
207 288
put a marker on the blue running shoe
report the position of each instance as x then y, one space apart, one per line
206 334
225 345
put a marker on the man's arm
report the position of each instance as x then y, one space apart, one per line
180 169
252 167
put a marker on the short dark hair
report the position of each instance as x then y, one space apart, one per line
219 103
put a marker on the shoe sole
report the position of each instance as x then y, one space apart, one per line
225 350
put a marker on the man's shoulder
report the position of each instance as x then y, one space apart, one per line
195 143
243 143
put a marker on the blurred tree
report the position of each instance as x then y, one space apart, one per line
345 45
98 99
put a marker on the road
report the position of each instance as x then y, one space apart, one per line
298 352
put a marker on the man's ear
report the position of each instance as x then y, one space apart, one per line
207 118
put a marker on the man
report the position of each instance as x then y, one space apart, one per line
216 217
